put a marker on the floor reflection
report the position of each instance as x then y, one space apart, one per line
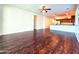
40 42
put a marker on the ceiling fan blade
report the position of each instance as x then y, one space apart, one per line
48 9
40 10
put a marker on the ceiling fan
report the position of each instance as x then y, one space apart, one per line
44 9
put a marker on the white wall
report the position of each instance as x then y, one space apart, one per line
42 22
77 19
39 23
17 20
14 20
77 16
1 19
77 22
48 22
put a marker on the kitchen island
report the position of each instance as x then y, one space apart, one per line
67 28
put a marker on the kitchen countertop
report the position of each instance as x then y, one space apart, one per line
66 28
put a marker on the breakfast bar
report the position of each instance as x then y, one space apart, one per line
66 28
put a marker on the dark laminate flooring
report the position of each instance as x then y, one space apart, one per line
39 42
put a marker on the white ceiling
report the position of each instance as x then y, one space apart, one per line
55 8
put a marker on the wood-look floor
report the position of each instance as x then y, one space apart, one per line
39 42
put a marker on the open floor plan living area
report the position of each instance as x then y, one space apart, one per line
39 29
